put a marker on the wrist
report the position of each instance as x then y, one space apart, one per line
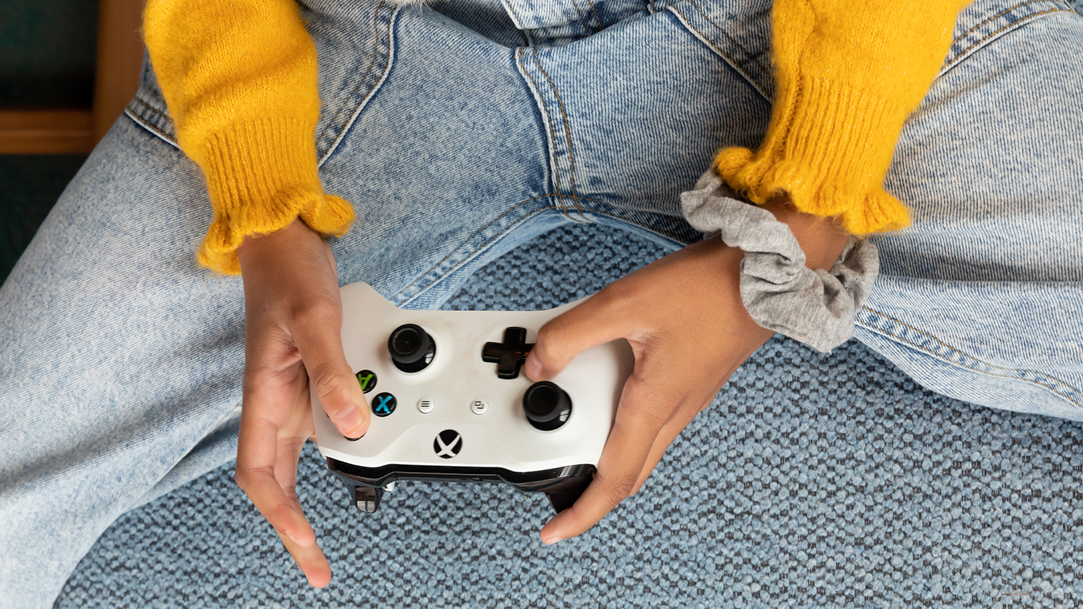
822 238
273 249
800 275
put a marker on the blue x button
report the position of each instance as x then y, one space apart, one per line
383 404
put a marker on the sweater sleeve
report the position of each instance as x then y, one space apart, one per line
848 74
239 79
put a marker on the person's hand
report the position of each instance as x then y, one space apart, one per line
689 331
293 324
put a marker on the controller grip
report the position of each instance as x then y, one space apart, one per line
563 495
367 498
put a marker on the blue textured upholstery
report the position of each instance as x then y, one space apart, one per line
827 480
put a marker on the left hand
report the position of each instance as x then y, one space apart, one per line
689 331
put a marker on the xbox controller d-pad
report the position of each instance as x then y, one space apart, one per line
439 412
508 355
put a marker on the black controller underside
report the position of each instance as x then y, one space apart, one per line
563 485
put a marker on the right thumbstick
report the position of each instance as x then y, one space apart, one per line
547 406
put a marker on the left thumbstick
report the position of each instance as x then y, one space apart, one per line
411 348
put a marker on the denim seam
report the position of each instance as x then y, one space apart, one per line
548 118
671 236
567 131
470 255
390 58
142 122
140 110
730 60
467 240
587 30
959 57
751 57
360 81
594 10
152 108
467 256
514 15
137 106
1010 25
1000 14
941 345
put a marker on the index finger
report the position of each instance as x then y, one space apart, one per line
257 445
623 457
595 321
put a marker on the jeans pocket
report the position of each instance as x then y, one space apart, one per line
985 21
354 46
739 32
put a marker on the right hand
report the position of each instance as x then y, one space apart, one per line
293 324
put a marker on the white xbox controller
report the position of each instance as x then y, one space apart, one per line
449 401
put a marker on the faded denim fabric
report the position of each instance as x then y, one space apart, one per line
462 130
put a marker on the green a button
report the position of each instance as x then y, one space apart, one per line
367 378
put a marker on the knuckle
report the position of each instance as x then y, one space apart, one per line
242 479
550 337
316 314
648 403
278 513
330 387
620 488
291 496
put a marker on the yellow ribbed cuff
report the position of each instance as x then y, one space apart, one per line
261 175
829 152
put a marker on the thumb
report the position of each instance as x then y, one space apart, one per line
336 386
598 320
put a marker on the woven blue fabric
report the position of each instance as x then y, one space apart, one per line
823 480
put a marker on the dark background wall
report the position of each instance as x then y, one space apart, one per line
47 52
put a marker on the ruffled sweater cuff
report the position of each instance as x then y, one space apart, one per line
828 148
261 176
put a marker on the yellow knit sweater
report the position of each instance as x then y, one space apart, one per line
239 78
848 75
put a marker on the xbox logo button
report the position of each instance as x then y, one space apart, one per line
447 444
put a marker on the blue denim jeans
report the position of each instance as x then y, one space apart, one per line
463 130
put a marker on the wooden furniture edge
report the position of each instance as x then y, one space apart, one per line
119 62
116 78
45 132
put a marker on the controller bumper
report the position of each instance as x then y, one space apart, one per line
562 485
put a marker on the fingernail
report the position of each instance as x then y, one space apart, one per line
552 539
352 420
357 432
533 367
294 539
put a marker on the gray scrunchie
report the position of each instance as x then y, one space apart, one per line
815 307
